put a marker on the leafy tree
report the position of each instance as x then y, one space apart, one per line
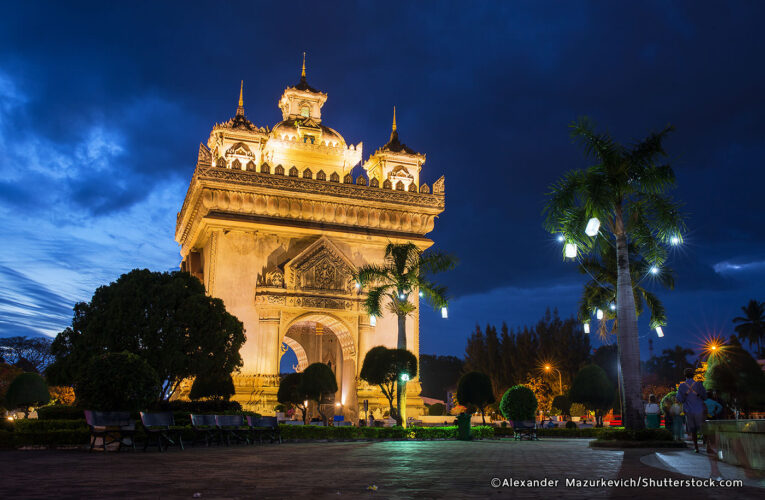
319 385
438 374
116 381
29 354
737 378
165 318
592 388
212 385
751 326
475 389
600 291
562 403
626 190
406 271
677 359
383 367
607 357
518 404
290 393
27 389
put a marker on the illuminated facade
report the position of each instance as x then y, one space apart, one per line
274 223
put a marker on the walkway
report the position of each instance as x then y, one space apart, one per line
416 469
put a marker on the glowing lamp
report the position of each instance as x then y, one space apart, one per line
570 251
674 240
421 295
593 225
599 314
358 285
612 307
654 270
659 332
561 239
586 328
444 313
337 404
405 377
402 296
373 320
305 403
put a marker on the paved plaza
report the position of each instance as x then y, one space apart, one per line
414 469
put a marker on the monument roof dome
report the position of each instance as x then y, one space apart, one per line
296 126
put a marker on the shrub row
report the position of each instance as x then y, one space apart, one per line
44 433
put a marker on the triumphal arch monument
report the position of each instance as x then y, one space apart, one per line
276 221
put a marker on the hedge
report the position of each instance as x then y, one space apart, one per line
70 432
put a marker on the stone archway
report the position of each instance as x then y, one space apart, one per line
297 348
306 332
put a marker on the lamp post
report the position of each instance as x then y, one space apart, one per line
560 378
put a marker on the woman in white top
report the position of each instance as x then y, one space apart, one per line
652 412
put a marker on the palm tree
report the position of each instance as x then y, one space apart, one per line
625 190
404 271
752 324
678 358
600 291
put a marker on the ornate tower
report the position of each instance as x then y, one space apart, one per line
274 225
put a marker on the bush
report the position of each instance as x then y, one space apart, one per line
519 403
117 381
474 389
571 425
562 404
578 410
437 410
27 389
213 386
592 388
667 401
59 412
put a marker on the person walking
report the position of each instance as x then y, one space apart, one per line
692 394
652 413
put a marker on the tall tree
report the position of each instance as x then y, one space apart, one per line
626 191
438 374
319 384
24 352
291 393
474 389
751 326
165 318
406 270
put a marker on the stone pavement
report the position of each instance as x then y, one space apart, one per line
410 469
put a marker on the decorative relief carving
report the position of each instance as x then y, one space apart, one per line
438 186
321 266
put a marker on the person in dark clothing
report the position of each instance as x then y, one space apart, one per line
692 394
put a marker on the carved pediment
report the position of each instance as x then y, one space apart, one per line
321 266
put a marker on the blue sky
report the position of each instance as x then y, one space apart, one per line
103 105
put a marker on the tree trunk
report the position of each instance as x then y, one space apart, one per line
401 386
627 335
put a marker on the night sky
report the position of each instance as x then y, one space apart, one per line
103 106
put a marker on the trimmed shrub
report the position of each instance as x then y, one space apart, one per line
519 403
571 425
59 412
27 389
474 389
213 386
592 388
117 381
437 410
562 404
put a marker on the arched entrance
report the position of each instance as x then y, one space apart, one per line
321 337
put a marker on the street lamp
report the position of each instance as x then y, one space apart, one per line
560 378
405 377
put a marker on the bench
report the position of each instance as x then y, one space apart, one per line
230 427
267 427
205 429
525 430
111 427
157 427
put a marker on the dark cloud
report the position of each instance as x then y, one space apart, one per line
113 100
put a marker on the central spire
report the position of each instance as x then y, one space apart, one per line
302 73
394 130
240 109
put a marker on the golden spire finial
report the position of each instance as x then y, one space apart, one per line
241 90
302 74
394 119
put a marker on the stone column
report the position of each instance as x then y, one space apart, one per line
268 342
366 340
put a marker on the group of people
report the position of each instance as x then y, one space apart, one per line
692 404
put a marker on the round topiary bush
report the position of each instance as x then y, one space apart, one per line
117 381
437 409
27 389
571 425
519 403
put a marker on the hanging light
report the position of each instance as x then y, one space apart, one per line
561 238
405 377
444 313
613 306
402 296
675 240
373 320
358 285
654 270
593 225
599 314
570 250
587 327
421 294
659 332
305 403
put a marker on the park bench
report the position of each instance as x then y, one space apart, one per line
526 429
157 427
265 427
231 427
205 429
111 427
